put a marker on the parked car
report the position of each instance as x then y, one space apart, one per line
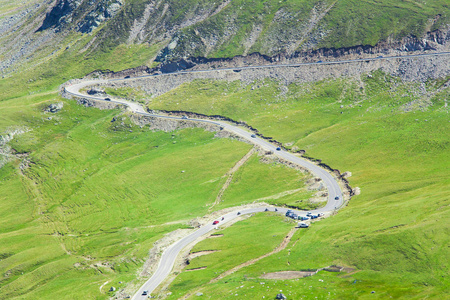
144 293
319 61
314 217
266 209
320 214
381 56
294 216
308 213
288 212
238 213
253 135
336 198
303 225
278 148
184 117
108 99
215 222
126 77
303 218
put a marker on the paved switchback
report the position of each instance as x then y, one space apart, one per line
170 254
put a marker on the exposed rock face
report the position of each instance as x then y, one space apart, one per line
54 107
86 14
6 153
407 68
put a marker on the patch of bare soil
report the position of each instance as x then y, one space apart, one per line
288 274
200 253
215 236
196 269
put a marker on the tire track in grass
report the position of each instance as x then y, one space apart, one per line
280 247
230 174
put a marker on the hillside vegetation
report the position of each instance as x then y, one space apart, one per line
172 29
390 135
83 199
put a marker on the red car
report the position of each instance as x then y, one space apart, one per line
215 222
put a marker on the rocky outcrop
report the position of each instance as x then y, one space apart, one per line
87 14
417 68
6 152
54 107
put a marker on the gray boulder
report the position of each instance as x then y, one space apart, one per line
54 107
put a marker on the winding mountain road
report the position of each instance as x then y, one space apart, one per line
170 254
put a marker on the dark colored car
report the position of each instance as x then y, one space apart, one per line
336 198
126 77
278 149
238 213
215 222
144 293
108 99
313 217
308 213
319 61
266 209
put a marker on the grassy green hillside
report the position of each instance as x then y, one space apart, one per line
229 28
84 199
392 137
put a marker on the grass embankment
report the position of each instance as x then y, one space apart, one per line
392 136
97 194
250 238
272 27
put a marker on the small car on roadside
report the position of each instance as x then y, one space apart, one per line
108 99
336 198
278 149
144 293
215 222
303 225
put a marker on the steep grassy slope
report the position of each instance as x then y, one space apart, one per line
229 28
174 29
83 199
392 137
